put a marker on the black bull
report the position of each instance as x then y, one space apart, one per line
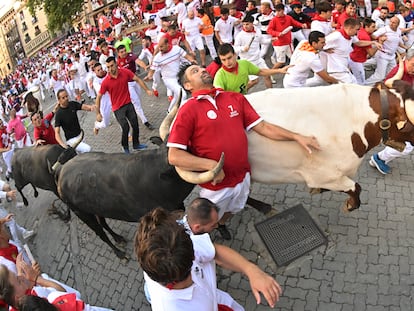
96 186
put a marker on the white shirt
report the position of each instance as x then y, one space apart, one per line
338 60
181 11
390 46
324 27
304 62
203 294
191 26
153 33
225 28
244 39
169 63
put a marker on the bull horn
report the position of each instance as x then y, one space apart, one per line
57 163
409 110
55 166
166 123
398 75
201 178
79 140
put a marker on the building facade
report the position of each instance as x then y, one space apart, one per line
22 35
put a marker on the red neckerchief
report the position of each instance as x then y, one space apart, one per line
317 17
212 92
151 48
10 252
249 31
346 36
232 70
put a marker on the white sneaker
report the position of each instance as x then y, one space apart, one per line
28 234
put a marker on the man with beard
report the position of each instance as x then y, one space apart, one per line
116 84
223 117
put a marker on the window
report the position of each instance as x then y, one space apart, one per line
21 15
37 30
34 19
24 26
26 38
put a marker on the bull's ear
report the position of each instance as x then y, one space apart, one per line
404 89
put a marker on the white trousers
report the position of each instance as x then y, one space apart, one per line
26 141
7 157
389 154
105 110
210 44
358 71
82 147
229 199
384 66
135 93
172 84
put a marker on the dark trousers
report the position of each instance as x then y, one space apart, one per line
124 115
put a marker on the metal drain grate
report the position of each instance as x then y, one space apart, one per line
290 234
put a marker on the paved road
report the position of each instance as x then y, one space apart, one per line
368 264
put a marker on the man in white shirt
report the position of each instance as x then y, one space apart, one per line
106 104
391 37
180 11
382 20
224 27
191 28
322 20
168 62
335 56
196 287
247 45
305 59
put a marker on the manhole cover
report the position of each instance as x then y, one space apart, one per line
290 234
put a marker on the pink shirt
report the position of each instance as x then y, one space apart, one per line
16 126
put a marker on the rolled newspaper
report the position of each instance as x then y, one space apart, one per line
286 30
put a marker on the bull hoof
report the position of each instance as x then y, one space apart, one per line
271 213
313 191
36 194
25 202
122 255
120 241
349 207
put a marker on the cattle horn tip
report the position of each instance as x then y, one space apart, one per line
399 73
204 177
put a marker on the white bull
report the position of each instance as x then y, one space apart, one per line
346 121
337 115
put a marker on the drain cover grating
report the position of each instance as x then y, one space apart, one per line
290 234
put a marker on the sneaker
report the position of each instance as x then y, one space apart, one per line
224 232
126 150
170 98
155 93
149 126
140 147
381 166
28 234
273 80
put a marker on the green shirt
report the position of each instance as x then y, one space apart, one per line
125 41
236 82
